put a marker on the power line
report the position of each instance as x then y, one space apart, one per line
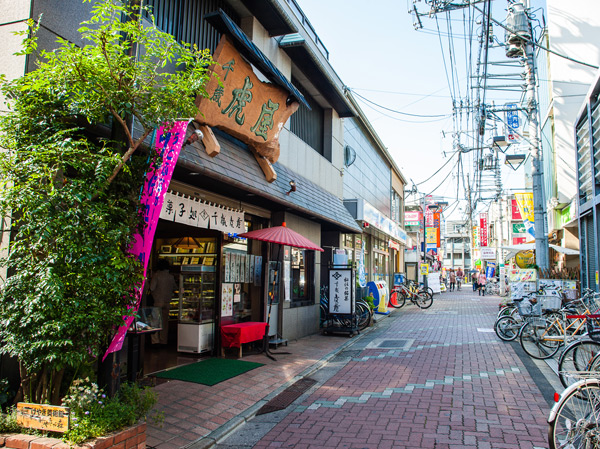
398 112
438 170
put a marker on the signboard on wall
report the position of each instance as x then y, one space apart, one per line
475 236
241 104
488 253
483 229
193 212
413 218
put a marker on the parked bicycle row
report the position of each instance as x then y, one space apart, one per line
548 326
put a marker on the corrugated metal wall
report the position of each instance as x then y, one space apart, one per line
308 124
184 19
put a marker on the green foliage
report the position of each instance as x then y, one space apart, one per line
8 422
94 415
6 393
369 301
73 194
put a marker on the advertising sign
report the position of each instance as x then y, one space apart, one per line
525 203
488 253
413 218
519 240
431 235
475 236
518 228
483 229
428 217
243 105
515 212
340 291
425 269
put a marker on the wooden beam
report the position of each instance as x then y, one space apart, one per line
265 166
211 144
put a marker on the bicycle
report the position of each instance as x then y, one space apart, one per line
401 292
542 339
574 420
361 317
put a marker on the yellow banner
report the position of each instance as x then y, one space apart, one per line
475 236
431 235
525 203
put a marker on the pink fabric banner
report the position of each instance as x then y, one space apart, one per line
168 146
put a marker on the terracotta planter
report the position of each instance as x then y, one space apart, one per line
130 438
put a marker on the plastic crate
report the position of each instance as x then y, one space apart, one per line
550 302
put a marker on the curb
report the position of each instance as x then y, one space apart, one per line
234 423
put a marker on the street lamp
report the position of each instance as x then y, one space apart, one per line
514 161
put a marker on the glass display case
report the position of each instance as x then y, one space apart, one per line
196 311
147 320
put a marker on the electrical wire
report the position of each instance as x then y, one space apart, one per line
438 170
398 112
444 180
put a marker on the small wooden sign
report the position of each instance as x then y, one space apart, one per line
42 416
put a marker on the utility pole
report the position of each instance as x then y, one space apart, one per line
541 238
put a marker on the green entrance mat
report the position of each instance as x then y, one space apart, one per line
209 372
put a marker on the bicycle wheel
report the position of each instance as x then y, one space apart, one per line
507 328
534 337
575 422
364 315
578 356
397 299
423 300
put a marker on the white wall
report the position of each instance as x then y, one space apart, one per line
574 30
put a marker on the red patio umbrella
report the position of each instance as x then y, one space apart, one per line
282 235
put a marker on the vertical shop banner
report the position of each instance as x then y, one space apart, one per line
428 217
525 203
475 237
362 276
226 299
483 229
437 225
168 146
258 271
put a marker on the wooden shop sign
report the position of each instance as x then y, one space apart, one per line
245 107
43 417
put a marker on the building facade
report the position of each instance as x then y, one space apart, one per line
223 279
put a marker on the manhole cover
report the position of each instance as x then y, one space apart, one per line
287 396
385 343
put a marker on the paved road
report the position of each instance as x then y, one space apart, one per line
438 378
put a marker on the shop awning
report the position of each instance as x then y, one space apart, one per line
514 249
239 176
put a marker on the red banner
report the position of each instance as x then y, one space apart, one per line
483 229
516 213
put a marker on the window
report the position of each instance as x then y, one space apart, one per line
396 207
308 124
302 277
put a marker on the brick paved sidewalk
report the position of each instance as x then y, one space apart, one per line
193 411
438 378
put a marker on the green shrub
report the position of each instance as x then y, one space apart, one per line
94 415
8 422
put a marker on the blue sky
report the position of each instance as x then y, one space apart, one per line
377 52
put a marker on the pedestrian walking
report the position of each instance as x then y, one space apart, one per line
452 279
459 278
481 281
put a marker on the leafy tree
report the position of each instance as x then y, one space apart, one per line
72 193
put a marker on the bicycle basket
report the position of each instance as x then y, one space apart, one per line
527 309
593 328
550 302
